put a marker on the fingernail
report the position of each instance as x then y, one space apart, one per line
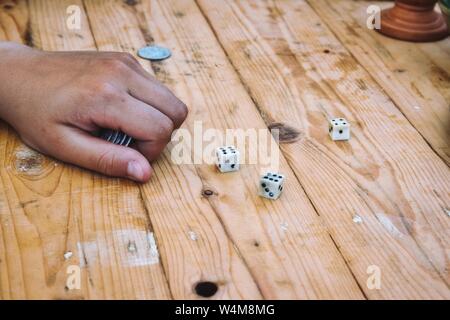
135 171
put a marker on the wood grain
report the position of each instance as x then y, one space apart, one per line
243 64
52 209
299 263
415 76
173 197
13 20
300 75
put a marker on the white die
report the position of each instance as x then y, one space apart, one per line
339 129
227 159
271 185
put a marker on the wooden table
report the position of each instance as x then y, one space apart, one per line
244 64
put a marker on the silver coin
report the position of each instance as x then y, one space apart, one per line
127 141
116 137
119 137
154 53
124 138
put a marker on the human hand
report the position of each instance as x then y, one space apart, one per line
56 100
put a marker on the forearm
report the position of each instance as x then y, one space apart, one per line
16 61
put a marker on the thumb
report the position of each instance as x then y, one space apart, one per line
82 149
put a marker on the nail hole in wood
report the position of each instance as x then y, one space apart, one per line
207 193
131 2
8 6
206 289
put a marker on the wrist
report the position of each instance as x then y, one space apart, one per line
16 61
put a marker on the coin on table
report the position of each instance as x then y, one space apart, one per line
154 53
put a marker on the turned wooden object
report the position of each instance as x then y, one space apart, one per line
413 20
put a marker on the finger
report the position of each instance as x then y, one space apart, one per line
84 150
135 118
150 150
160 97
129 60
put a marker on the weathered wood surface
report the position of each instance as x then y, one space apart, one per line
55 209
415 76
299 74
277 259
243 64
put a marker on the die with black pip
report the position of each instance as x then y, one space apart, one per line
271 185
227 159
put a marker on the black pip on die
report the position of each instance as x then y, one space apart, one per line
227 159
271 185
339 129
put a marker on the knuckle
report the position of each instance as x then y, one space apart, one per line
81 115
105 90
105 162
116 65
126 57
165 129
181 112
83 99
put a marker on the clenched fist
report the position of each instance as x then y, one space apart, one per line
56 100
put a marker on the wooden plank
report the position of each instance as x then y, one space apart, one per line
298 260
193 244
300 75
52 209
10 287
415 76
13 20
10 260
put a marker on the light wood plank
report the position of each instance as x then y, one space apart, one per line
173 197
53 209
400 190
300 75
415 76
300 262
308 273
10 287
13 20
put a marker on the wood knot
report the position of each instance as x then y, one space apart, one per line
206 289
286 134
28 161
178 14
8 5
207 192
131 2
